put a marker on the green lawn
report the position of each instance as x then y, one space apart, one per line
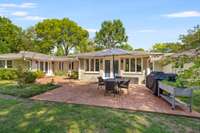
25 116
11 88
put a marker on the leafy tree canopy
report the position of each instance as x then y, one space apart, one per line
112 34
10 36
61 33
125 46
167 47
192 38
139 49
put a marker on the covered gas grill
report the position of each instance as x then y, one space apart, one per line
153 78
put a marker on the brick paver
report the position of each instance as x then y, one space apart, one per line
82 92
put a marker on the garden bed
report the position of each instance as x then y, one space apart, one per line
25 91
170 93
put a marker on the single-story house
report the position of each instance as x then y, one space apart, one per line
106 63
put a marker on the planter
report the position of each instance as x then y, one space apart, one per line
174 92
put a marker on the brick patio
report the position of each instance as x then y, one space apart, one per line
82 92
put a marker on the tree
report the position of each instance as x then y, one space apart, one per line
125 46
192 38
112 34
10 36
167 47
63 34
139 49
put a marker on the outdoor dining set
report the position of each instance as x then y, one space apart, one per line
113 85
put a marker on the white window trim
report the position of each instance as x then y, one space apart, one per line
85 65
129 71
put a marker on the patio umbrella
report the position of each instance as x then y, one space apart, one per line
107 52
112 52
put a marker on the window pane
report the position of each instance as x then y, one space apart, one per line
92 65
127 65
72 65
87 64
97 65
41 66
139 65
9 64
133 65
2 63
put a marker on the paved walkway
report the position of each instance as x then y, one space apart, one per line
80 92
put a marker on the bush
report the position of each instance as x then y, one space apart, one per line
29 77
26 78
39 74
8 74
60 73
74 75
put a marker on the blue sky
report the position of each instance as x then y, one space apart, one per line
146 22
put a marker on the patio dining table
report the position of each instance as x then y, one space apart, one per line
117 80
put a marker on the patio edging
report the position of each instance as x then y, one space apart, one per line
129 110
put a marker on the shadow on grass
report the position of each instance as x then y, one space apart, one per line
32 116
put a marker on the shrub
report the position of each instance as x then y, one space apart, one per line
26 78
74 75
29 77
60 73
39 74
8 74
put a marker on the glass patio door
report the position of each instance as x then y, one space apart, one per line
116 67
107 68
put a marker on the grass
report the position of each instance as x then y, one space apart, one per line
29 90
26 116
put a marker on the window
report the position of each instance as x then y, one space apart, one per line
92 65
132 65
97 65
139 64
9 64
2 63
61 65
41 66
87 64
72 65
127 65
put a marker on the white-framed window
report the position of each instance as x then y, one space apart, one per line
139 65
127 65
61 66
133 65
9 64
97 65
2 63
87 63
92 65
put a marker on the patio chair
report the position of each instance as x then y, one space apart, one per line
124 84
100 82
111 86
118 77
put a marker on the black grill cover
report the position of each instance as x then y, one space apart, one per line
153 78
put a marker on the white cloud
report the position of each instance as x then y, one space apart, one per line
20 14
147 31
22 5
183 14
26 16
92 30
29 17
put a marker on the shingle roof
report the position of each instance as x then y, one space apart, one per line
34 55
114 51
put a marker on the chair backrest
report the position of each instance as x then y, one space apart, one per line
110 85
100 79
